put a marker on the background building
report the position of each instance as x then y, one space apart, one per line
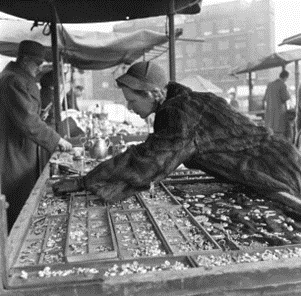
234 32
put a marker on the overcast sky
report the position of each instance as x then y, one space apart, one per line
287 20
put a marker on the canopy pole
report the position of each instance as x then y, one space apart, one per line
250 88
56 71
296 78
65 99
171 23
297 107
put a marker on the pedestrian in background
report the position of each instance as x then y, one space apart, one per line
275 98
21 128
233 101
72 98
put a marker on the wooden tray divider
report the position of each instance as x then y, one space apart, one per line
133 224
182 232
197 224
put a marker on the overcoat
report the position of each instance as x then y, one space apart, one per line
202 131
21 131
275 97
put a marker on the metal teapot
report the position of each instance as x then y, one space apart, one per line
98 147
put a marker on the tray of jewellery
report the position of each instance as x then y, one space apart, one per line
147 265
131 203
184 175
46 237
182 232
90 234
55 241
237 257
160 197
83 199
243 220
136 235
52 205
97 270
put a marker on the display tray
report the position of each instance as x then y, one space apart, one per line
183 175
137 235
35 276
195 179
237 218
161 197
44 243
132 203
239 257
90 234
182 232
178 173
52 205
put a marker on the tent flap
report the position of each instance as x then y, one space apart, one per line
293 40
274 60
84 50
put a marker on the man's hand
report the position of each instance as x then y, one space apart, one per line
44 115
64 145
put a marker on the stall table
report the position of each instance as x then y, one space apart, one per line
194 235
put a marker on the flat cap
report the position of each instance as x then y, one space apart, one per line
33 49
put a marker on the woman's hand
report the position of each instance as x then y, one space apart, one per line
68 185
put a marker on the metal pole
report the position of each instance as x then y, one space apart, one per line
71 87
296 79
297 118
3 242
56 72
172 59
250 88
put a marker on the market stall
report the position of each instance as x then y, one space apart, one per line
191 235
53 13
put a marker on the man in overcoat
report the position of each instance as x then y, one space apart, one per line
275 98
21 128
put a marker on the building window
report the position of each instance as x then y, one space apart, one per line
262 49
260 19
207 28
191 49
223 26
179 66
190 30
240 44
207 46
223 61
179 51
239 59
206 63
191 65
239 24
223 45
260 36
105 84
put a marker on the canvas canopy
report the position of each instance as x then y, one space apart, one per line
82 49
199 83
293 40
277 59
83 11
